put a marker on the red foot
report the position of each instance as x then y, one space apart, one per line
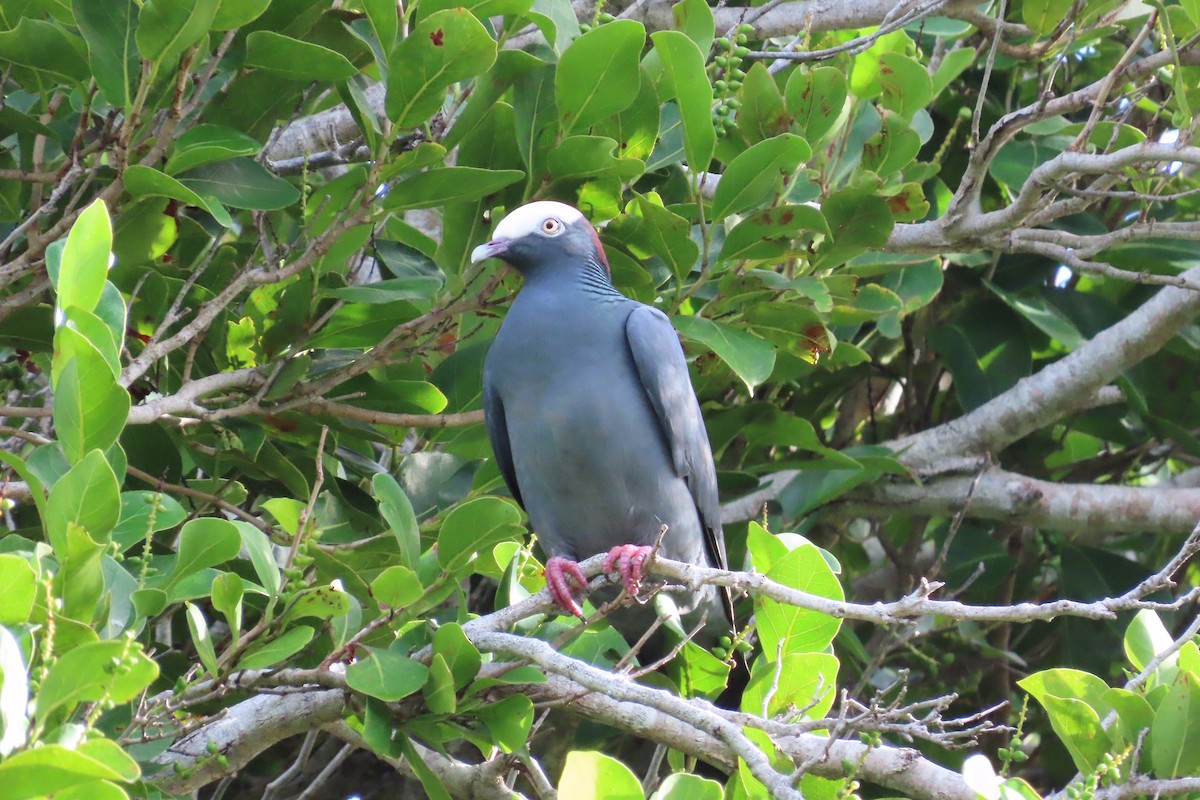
560 572
628 559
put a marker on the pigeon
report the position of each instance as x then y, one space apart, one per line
594 422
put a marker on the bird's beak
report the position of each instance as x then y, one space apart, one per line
496 247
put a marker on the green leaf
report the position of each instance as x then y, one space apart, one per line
1175 734
143 513
382 14
475 526
762 114
1043 16
695 19
1078 726
397 587
750 357
430 782
293 58
771 234
1047 317
953 65
438 187
227 593
799 680
148 182
858 221
687 83
444 48
98 334
20 586
241 183
578 157
658 231
815 98
758 173
590 775
45 47
278 650
439 690
785 629
907 87
90 407
202 639
462 657
1145 638
86 673
166 28
397 511
591 69
321 602
1134 715
685 786
203 144
50 770
80 578
509 721
233 14
261 556
416 287
893 148
1074 701
87 496
204 542
386 675
111 754
84 266
108 28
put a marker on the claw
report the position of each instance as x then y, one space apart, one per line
628 559
559 574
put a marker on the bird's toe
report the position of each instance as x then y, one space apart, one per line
559 574
629 560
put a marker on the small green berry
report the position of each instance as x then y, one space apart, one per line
734 103
721 85
743 646
745 28
742 51
740 38
722 43
738 74
606 17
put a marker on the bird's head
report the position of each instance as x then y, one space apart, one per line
543 234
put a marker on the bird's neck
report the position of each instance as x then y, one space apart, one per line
590 278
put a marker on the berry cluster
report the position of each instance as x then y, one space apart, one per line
727 69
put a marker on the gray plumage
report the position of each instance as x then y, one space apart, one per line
592 415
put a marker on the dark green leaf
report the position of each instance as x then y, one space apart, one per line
241 183
474 526
108 28
293 58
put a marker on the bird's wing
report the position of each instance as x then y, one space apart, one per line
493 414
664 373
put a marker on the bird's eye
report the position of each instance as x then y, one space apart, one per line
552 227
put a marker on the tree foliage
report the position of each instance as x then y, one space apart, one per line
934 267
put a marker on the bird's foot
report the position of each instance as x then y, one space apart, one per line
628 559
560 573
